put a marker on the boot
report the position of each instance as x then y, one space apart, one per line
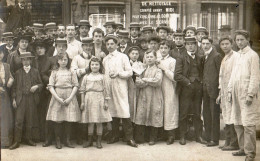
31 143
153 135
14 146
48 139
99 146
67 130
57 131
89 143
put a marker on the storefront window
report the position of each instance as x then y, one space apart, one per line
156 12
215 15
99 15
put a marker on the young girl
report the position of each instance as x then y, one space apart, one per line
6 81
63 85
171 100
94 105
150 101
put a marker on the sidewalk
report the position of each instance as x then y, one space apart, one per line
192 151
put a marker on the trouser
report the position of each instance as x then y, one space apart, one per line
141 133
211 116
231 136
170 133
91 128
247 139
190 103
127 127
24 115
42 112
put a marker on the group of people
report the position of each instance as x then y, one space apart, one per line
150 82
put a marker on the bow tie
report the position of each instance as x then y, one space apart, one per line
122 47
192 54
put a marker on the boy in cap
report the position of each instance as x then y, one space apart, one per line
188 73
84 28
7 48
123 45
38 30
134 32
243 92
180 44
25 94
117 71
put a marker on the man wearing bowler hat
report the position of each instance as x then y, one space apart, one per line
188 74
123 45
110 27
84 28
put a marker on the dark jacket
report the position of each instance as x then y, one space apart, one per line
44 65
137 43
211 73
17 92
183 67
6 52
126 49
176 52
16 18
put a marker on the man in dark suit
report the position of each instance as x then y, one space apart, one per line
188 74
179 42
211 111
134 32
123 45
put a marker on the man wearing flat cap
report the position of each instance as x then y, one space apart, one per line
117 72
110 27
84 28
243 92
188 74
134 33
123 45
179 42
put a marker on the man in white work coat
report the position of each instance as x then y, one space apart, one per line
117 71
244 93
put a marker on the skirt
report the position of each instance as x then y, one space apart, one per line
58 113
7 120
94 111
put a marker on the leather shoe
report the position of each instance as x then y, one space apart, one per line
151 143
46 144
31 143
112 140
170 141
212 143
230 148
14 146
182 141
132 143
200 140
239 153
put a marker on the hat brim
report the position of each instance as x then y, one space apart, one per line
8 37
22 57
206 32
221 29
164 28
85 25
110 37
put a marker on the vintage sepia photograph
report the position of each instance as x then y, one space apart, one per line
130 80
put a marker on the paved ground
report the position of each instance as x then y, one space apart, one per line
121 152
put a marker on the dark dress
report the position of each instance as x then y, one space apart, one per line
7 119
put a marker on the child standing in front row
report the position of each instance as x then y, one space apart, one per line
94 105
150 101
63 85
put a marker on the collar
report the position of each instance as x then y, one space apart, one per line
113 53
192 54
69 42
85 55
21 52
9 48
134 38
163 58
208 52
199 43
123 45
27 69
245 50
228 55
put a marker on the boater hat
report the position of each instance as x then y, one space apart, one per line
190 39
123 33
147 28
135 25
87 40
7 35
38 26
84 23
61 41
51 25
164 27
26 55
189 28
